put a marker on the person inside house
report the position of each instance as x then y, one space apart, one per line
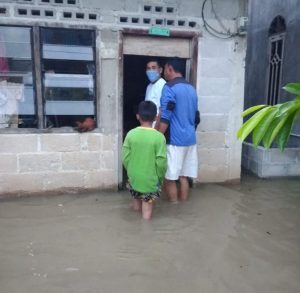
154 88
144 157
178 121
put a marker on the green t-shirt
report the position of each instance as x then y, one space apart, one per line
144 157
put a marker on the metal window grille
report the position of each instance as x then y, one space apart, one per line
276 44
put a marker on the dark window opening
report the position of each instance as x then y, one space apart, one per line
22 11
158 21
71 2
170 22
181 22
158 8
146 20
48 13
170 9
135 20
123 19
35 12
59 1
2 10
147 8
67 15
46 1
80 15
192 23
92 16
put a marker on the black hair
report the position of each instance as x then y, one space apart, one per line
177 64
147 111
154 60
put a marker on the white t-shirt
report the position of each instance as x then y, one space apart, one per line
153 92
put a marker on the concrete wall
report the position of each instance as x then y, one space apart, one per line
261 14
272 162
56 162
267 163
44 161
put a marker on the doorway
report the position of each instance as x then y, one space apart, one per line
134 86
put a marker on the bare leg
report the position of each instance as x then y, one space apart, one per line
137 205
171 190
147 209
184 188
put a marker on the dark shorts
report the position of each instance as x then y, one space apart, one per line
146 197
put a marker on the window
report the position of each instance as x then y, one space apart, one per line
68 66
276 50
17 95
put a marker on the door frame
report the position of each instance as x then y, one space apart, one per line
192 36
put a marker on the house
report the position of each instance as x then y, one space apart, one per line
272 61
64 60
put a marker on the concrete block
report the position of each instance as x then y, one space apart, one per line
215 67
107 160
215 48
212 156
64 142
40 162
53 181
212 173
81 161
293 169
101 179
211 139
95 141
212 86
10 183
214 104
273 170
212 122
276 156
18 143
109 142
8 163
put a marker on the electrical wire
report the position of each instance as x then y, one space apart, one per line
211 30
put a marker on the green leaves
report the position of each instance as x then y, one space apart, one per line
272 122
293 88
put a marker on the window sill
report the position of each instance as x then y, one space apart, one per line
41 131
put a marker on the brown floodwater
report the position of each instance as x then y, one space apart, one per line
241 238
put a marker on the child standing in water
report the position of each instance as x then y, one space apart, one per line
145 160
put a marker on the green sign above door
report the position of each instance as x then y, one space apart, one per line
159 31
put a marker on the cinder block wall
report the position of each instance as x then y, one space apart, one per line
272 162
41 162
49 162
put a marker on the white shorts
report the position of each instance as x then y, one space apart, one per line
182 161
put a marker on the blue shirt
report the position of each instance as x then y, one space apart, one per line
179 104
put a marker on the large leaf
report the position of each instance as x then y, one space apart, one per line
286 107
293 88
285 132
252 109
263 126
281 121
250 124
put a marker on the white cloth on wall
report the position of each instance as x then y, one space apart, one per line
153 92
10 95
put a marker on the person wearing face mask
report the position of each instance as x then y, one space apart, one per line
154 88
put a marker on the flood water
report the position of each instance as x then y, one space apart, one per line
242 238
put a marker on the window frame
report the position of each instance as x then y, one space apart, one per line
273 39
37 77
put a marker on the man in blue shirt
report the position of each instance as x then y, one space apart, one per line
178 121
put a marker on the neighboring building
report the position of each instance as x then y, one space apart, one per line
272 61
64 60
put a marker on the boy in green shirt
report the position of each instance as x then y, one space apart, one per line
144 157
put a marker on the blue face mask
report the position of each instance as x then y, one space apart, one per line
152 75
